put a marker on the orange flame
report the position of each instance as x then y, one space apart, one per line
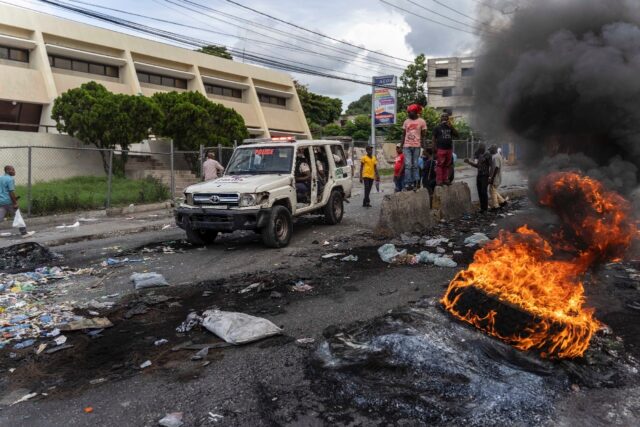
521 270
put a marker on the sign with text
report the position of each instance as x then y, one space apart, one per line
384 100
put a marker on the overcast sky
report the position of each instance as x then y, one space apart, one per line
369 23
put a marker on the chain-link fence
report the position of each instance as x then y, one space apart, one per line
51 180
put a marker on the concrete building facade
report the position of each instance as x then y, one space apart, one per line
453 78
42 56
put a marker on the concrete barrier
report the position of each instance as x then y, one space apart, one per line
452 201
404 212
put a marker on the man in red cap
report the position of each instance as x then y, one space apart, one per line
414 130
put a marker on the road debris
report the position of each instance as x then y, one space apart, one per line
25 398
200 354
259 286
25 256
145 364
88 410
445 262
61 339
388 252
91 323
300 286
148 280
305 341
476 239
434 241
351 258
332 255
160 342
174 419
214 418
74 225
238 328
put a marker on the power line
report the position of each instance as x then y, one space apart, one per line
224 34
458 12
286 66
425 18
314 32
351 58
444 16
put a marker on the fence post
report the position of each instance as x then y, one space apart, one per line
235 144
201 161
220 153
173 178
109 179
29 173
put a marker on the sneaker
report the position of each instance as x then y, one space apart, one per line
28 234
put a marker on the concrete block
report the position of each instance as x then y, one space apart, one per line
452 201
405 212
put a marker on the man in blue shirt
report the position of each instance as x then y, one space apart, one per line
8 199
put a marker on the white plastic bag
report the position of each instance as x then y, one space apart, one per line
18 221
148 280
388 252
238 328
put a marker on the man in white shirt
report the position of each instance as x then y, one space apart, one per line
211 167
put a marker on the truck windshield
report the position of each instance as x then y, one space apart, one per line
260 160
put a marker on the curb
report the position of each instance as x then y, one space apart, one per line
132 209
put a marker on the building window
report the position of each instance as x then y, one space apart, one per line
271 99
447 92
160 80
84 66
223 91
20 116
467 72
442 72
467 91
14 54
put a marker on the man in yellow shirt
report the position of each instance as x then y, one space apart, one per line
368 173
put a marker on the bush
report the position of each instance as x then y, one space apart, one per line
87 193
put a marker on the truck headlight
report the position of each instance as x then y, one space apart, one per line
188 198
252 199
248 199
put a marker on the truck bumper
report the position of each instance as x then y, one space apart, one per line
224 220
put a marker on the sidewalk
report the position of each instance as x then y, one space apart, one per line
92 225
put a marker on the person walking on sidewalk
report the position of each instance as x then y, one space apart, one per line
398 169
483 164
211 167
495 179
8 198
443 136
414 130
368 173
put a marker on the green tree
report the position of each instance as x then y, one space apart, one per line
359 129
219 51
318 108
191 120
96 116
360 106
332 129
411 88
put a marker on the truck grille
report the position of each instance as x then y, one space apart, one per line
216 199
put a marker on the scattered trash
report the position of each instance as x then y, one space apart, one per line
238 328
388 252
145 364
60 340
445 262
41 348
97 381
275 295
74 225
25 398
477 239
135 311
200 354
57 349
408 239
5 234
332 255
88 410
437 241
300 286
353 258
148 280
214 418
115 261
427 257
192 321
441 250
305 341
254 286
160 342
24 344
166 227
326 243
25 256
173 419
93 323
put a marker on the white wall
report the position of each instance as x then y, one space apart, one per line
48 163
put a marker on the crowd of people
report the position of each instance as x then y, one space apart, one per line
419 164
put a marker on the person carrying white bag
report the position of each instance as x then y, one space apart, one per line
9 201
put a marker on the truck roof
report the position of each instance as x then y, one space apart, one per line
293 143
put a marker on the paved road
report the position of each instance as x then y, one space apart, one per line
240 381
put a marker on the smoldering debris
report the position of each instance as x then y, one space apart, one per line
561 77
416 362
24 257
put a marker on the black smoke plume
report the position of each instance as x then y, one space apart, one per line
562 78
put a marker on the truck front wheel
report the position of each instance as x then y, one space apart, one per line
334 210
200 237
277 232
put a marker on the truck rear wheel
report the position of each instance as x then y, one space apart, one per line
200 237
277 232
334 210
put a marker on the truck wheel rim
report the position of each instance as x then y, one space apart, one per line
337 207
281 228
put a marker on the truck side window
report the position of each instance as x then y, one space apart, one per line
338 156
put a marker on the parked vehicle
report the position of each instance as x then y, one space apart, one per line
258 191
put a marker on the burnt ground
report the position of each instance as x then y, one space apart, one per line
280 382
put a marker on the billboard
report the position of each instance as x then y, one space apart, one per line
384 100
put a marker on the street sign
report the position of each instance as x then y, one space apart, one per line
384 100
